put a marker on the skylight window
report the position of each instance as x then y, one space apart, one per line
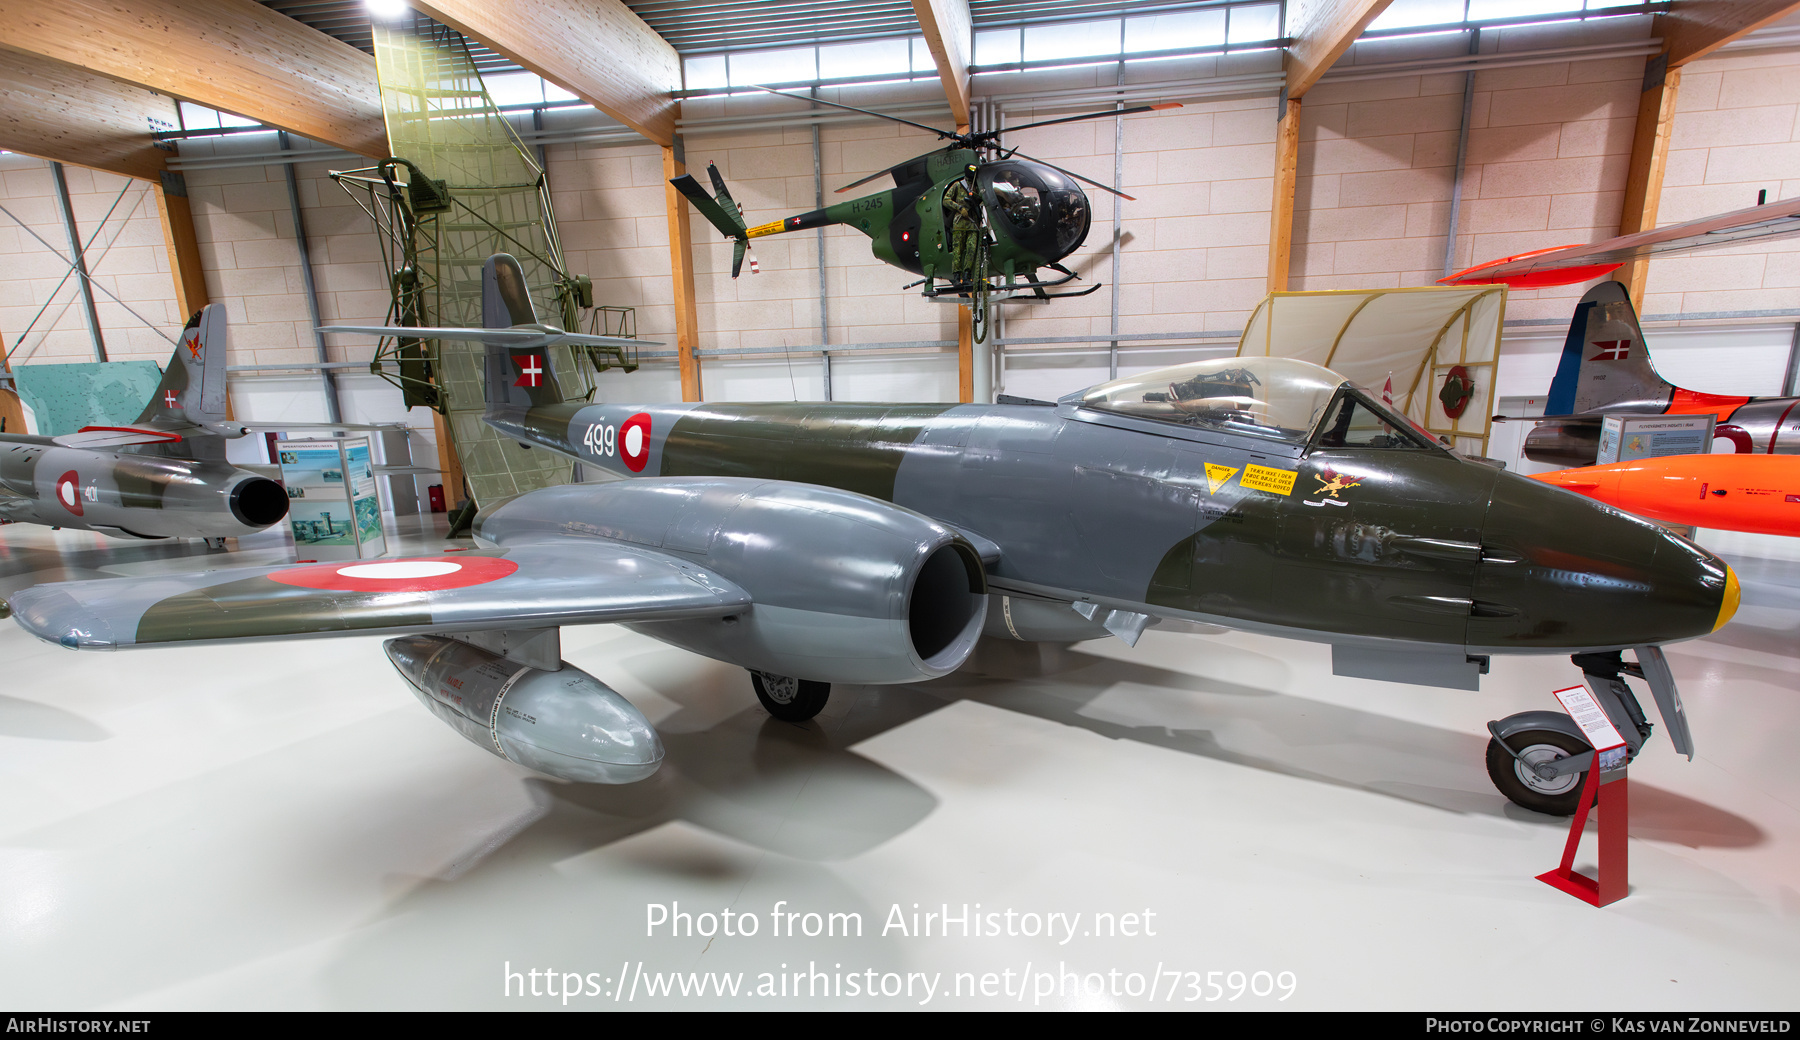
1254 24
1180 31
789 65
1071 40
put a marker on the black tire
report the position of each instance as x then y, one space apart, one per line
789 699
1522 787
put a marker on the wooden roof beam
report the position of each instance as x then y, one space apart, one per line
1692 29
233 55
597 50
64 114
950 34
1322 30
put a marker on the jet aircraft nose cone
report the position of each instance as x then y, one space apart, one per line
1734 593
1563 573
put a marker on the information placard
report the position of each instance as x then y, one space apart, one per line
333 508
1587 713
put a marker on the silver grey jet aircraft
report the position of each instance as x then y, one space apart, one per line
820 543
163 476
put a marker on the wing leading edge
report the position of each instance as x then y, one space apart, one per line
539 585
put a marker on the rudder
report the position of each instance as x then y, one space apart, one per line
513 377
1605 359
193 383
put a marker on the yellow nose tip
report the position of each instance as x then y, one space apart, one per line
1729 604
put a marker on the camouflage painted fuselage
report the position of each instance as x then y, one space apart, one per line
1348 546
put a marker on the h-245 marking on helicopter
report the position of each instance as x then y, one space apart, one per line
822 543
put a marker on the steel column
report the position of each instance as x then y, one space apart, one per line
1462 158
333 410
819 233
78 261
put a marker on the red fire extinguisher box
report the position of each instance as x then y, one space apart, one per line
436 492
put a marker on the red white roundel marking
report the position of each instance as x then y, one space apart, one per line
421 574
634 441
68 491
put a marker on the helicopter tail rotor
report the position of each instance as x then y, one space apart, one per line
722 212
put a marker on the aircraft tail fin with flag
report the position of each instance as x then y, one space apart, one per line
193 384
514 376
1605 360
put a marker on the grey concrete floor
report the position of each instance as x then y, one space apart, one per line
281 825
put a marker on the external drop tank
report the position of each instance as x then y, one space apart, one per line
565 723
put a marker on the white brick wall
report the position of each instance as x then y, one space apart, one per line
127 259
1547 155
1735 133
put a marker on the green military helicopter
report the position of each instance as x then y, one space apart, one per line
974 218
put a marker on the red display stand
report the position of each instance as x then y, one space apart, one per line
1615 824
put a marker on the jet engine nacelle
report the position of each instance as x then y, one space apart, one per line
846 588
565 723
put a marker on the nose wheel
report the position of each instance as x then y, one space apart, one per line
1515 777
790 699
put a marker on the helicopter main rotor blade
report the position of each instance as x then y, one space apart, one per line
873 176
1090 115
857 184
945 134
1077 176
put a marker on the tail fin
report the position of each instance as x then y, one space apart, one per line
719 210
1605 361
505 298
193 384
514 377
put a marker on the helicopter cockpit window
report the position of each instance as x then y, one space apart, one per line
1275 398
1354 422
1069 210
1020 202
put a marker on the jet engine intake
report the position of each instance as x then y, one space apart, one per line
847 588
565 723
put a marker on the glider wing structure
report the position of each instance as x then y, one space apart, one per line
1568 265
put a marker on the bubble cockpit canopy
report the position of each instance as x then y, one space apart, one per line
1277 398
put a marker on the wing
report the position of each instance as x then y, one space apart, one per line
1566 265
114 437
496 337
540 585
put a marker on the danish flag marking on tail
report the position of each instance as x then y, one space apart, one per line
1612 350
169 398
531 369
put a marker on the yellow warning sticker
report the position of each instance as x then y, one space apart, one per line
1265 478
771 228
1217 476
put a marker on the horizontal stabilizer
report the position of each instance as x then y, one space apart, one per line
114 437
722 214
529 336
530 586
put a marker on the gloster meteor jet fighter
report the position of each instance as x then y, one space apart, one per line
164 476
822 543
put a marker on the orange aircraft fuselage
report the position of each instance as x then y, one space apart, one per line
1759 494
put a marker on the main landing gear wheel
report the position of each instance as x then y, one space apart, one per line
789 699
1557 796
